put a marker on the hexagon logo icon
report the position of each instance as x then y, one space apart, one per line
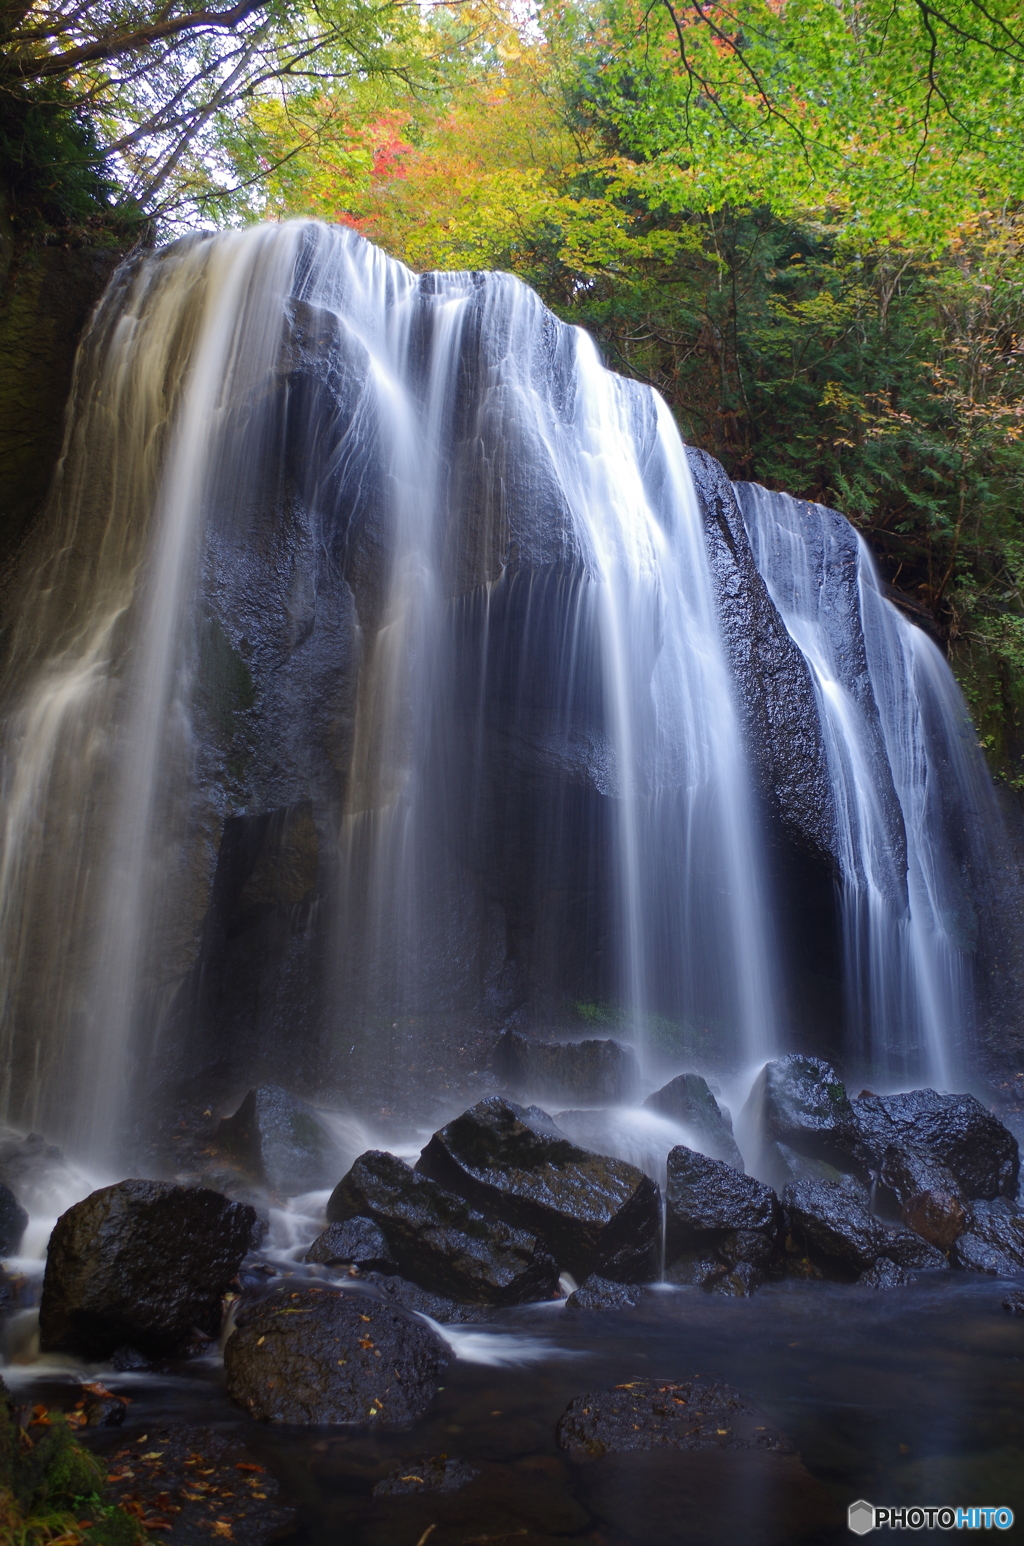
861 1517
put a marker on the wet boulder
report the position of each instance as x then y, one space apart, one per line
323 1356
602 1294
938 1215
802 1103
1013 1304
593 1213
440 1240
598 1071
141 1262
357 1242
713 1209
832 1224
994 1239
689 1100
283 1141
738 1281
921 1141
13 1222
664 1414
909 1249
885 1274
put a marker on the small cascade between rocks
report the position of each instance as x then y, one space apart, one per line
384 666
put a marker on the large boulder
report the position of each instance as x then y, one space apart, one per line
688 1099
664 1414
802 1103
323 1356
13 1222
439 1240
994 1239
598 1071
923 1141
593 1213
282 1141
831 1223
713 1210
144 1263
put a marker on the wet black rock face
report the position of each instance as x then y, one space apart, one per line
282 1141
832 1223
994 1239
144 1263
688 1099
802 1103
922 1140
712 1209
324 1356
664 1414
439 1240
593 1213
594 1071
602 1294
13 1222
908 1249
357 1243
885 1274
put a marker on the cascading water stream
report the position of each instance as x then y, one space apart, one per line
912 793
372 623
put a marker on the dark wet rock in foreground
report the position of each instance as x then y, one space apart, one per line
593 1213
602 1294
994 1239
598 1071
425 1473
441 1241
832 1223
141 1262
713 1208
802 1103
665 1414
920 1139
320 1355
13 1222
1013 1304
358 1242
282 1141
687 1098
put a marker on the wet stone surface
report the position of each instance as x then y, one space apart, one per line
318 1355
657 1414
189 1485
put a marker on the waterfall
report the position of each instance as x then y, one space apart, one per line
366 674
914 799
